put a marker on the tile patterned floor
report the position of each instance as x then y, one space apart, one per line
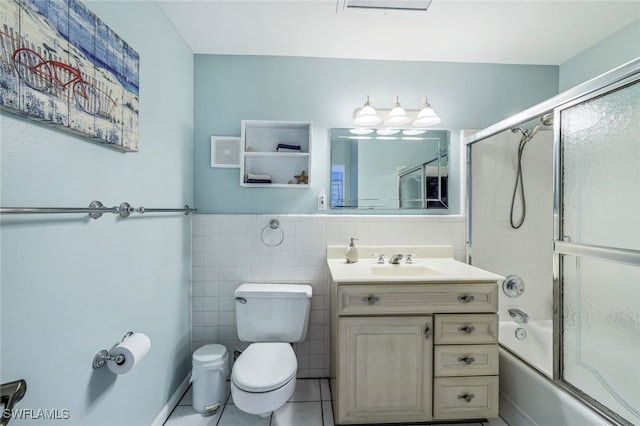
310 405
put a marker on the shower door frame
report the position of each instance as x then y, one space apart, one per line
604 83
563 246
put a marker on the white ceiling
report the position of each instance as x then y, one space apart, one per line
506 31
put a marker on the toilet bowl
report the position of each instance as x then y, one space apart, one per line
264 377
271 316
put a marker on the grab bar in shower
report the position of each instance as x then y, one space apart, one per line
95 210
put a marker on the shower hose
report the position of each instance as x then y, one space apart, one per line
519 183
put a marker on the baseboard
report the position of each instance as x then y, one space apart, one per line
513 414
173 402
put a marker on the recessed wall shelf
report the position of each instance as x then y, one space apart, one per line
275 154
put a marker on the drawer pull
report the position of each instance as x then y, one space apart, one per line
467 396
465 299
467 359
427 331
467 329
370 300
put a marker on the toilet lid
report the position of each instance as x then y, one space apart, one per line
264 366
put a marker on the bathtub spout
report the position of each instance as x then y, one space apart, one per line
518 315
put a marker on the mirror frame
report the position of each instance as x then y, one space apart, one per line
428 177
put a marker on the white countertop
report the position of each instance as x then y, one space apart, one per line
430 264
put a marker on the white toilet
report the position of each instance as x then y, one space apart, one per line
272 316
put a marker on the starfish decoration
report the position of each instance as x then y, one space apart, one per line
302 177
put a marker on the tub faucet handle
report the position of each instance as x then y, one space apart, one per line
513 286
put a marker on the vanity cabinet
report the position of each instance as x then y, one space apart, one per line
385 369
413 351
275 154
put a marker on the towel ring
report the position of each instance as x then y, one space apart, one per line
274 224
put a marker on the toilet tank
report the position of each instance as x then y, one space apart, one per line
272 312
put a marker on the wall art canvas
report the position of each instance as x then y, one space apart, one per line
61 65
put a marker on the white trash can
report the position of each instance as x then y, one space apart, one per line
209 377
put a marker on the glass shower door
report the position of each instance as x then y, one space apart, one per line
410 189
598 249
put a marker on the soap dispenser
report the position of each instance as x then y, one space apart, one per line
352 252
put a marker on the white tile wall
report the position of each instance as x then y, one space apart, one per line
228 250
526 252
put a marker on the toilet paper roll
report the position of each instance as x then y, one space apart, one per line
134 348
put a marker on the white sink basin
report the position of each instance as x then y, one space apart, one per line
403 270
431 264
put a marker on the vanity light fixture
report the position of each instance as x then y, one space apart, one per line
426 116
397 117
366 116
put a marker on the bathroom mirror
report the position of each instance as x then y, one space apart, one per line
389 169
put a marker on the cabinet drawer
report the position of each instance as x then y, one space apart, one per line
465 329
409 299
466 360
465 397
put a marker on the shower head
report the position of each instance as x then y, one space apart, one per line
547 119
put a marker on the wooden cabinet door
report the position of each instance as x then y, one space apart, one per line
385 369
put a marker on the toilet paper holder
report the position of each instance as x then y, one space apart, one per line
101 358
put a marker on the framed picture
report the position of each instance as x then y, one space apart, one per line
63 66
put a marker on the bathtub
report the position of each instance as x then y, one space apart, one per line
528 396
536 348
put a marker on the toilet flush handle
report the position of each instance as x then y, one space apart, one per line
241 300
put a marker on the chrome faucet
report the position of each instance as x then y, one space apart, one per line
518 315
395 259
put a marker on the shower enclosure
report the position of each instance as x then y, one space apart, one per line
571 303
526 253
424 186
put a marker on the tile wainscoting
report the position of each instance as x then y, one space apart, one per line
228 250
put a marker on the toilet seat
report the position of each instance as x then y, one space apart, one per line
263 367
